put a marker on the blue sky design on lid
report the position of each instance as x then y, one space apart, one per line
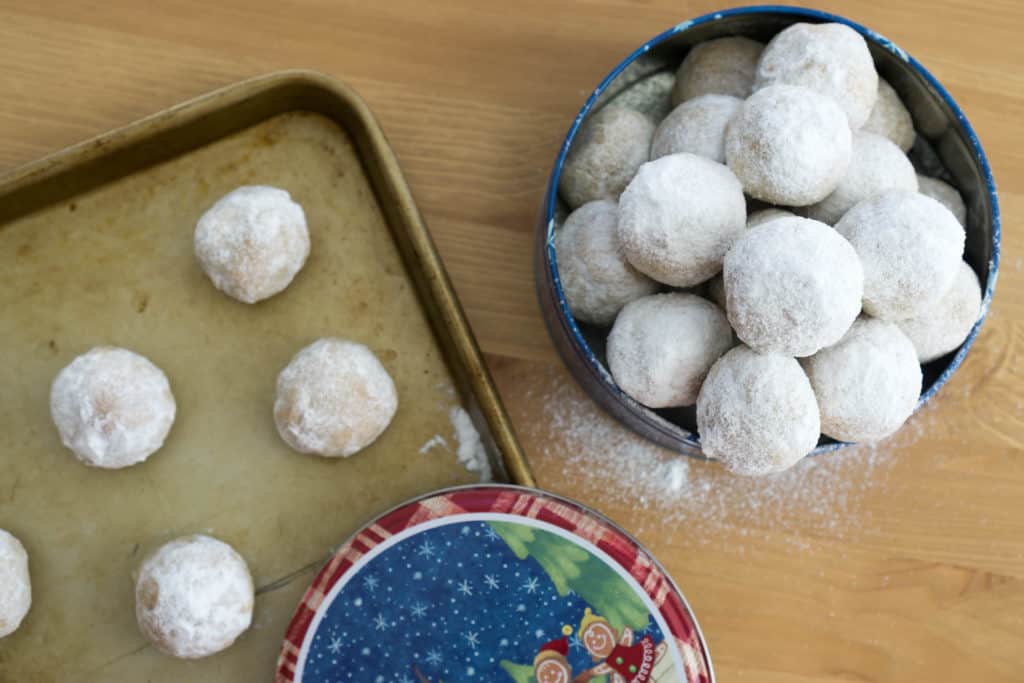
469 602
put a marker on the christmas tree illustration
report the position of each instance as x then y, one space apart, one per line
609 638
572 568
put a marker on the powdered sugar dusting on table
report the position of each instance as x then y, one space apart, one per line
611 465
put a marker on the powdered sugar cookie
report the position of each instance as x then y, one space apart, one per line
334 399
910 246
756 413
723 66
193 597
605 156
678 218
112 407
788 145
831 59
868 384
252 242
592 267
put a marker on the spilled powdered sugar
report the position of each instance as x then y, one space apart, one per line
469 448
471 452
436 441
600 460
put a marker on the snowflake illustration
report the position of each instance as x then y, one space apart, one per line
465 588
520 607
492 582
371 583
532 585
490 533
575 643
335 646
434 657
426 549
472 639
465 531
380 623
405 679
418 610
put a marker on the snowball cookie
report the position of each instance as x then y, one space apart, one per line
193 597
868 384
724 66
767 215
15 585
756 413
890 118
696 126
792 286
876 165
112 407
334 399
662 346
679 216
945 326
252 242
592 267
606 155
944 194
715 287
831 59
909 245
788 145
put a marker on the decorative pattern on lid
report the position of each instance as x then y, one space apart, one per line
492 584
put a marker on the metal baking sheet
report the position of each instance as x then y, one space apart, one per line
96 248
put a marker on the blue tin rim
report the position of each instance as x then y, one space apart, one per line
569 322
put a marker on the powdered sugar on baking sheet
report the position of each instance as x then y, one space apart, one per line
603 462
471 452
436 441
465 440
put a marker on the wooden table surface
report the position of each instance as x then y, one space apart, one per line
904 562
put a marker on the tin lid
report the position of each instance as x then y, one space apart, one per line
493 584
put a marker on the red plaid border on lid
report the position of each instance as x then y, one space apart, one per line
492 584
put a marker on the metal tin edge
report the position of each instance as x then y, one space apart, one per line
595 377
599 516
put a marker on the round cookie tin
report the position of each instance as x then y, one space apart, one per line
493 583
946 146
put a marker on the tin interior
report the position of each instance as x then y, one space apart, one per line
946 147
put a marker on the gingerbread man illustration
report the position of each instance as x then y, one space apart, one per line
616 654
551 664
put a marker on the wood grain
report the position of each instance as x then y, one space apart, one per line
913 570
